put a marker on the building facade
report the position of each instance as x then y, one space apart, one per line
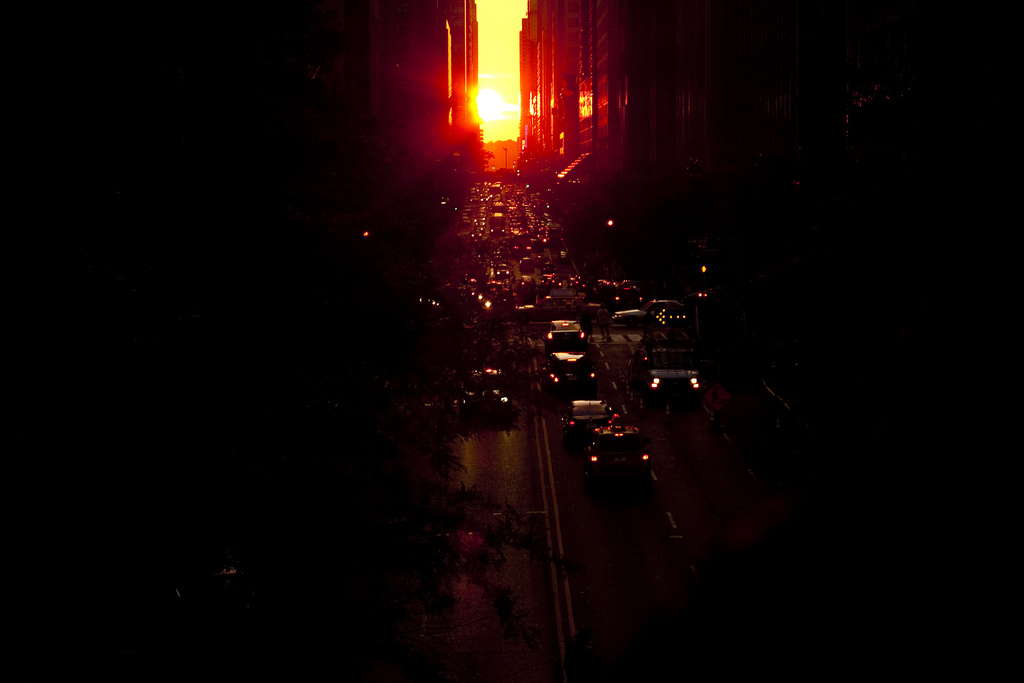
621 86
410 70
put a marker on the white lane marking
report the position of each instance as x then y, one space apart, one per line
671 521
547 530
558 533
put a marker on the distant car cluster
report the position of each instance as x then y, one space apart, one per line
511 266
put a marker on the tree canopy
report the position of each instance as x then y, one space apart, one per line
230 359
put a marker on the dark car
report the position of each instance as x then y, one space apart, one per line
713 295
628 294
663 369
502 273
571 373
617 450
484 397
582 419
565 335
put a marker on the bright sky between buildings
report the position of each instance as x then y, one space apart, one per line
499 23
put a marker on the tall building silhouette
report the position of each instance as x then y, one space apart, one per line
612 86
408 70
464 57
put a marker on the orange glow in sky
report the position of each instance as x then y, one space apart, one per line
499 23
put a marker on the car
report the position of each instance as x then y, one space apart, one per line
617 450
502 273
498 302
665 368
565 335
572 373
555 308
484 397
628 294
582 418
712 295
663 312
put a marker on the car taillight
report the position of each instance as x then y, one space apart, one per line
582 335
593 458
550 336
646 457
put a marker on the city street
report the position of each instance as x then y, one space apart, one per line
636 553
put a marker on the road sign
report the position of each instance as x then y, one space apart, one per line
717 397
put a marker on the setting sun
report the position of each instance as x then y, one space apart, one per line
490 105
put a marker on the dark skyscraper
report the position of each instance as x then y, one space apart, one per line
664 82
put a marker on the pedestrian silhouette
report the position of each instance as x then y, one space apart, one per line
603 320
586 323
580 661
648 322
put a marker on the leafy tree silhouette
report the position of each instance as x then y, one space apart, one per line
243 273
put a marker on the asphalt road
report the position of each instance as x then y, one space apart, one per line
638 553
679 575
